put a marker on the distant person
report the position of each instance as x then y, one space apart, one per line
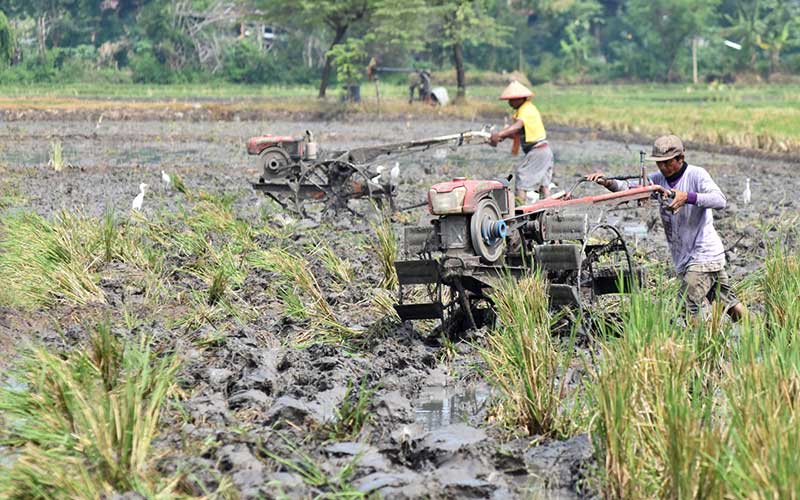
535 172
421 82
697 250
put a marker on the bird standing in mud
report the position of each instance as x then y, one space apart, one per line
166 178
137 202
394 174
746 193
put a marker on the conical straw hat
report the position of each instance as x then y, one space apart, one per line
516 90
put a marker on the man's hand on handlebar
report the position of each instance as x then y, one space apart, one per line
678 198
599 178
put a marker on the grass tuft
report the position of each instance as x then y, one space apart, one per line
524 363
353 413
83 423
297 278
56 156
43 262
333 486
178 184
704 409
338 267
385 248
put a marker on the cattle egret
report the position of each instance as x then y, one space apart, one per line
166 178
395 173
746 192
137 202
378 178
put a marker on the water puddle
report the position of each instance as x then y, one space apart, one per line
441 406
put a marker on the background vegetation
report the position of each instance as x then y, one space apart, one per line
321 42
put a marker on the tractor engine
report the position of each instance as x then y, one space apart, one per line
468 220
279 156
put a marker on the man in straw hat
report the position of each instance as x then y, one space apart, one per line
535 172
697 250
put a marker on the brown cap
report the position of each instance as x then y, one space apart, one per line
516 90
666 147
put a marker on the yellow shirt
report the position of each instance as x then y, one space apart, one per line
534 128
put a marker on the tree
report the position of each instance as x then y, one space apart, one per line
462 22
379 25
6 40
656 32
339 16
768 25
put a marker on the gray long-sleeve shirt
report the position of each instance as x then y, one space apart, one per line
690 232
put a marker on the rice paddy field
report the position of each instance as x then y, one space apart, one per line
763 118
212 345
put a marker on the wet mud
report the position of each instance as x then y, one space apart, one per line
251 397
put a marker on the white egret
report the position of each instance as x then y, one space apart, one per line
137 202
746 193
378 178
395 173
166 178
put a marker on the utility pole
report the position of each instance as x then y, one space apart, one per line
694 60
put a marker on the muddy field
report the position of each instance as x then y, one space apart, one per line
251 392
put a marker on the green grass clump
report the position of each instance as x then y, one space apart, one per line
653 407
178 184
297 279
331 485
56 156
704 409
385 248
83 423
338 267
524 362
43 262
353 413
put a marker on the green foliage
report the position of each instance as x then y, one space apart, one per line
350 58
7 44
245 62
654 33
385 248
567 40
148 68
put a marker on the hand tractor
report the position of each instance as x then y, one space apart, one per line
294 171
475 234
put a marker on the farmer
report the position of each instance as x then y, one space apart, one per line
697 250
535 172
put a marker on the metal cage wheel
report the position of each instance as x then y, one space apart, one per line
588 273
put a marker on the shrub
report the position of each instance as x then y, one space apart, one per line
244 62
147 68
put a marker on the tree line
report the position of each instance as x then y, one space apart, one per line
325 42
